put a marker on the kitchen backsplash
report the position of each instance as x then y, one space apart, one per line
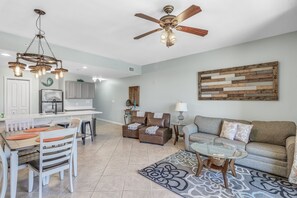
78 103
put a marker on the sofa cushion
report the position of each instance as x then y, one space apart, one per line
273 132
267 150
238 144
229 130
238 121
204 137
208 125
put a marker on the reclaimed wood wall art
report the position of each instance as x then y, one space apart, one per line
250 82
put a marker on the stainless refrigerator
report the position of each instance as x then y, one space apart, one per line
49 98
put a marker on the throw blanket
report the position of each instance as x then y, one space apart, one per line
158 115
140 114
151 130
133 126
293 174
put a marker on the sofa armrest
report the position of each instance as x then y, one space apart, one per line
188 130
290 148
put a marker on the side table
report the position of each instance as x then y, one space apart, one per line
176 128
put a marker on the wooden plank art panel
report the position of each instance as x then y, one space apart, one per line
250 82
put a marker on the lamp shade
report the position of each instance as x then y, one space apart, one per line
181 106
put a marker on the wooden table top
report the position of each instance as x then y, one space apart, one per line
17 145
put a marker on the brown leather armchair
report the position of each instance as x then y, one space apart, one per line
134 119
163 134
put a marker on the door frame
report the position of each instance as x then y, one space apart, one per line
5 92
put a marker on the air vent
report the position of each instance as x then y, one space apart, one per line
131 69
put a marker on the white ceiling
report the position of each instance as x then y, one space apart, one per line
107 28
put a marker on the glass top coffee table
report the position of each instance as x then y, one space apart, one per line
219 157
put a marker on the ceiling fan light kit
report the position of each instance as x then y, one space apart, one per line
170 22
43 62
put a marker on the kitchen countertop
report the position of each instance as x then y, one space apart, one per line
51 115
78 108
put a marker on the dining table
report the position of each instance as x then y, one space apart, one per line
13 147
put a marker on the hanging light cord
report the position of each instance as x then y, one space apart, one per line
40 35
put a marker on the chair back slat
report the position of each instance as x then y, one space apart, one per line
54 162
67 139
12 125
57 155
56 152
54 149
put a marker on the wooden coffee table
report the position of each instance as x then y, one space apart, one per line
220 157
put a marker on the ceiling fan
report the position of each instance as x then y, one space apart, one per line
169 22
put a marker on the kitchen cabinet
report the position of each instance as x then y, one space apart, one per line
79 90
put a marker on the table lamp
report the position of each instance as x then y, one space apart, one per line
181 107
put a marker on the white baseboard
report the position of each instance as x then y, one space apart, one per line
110 121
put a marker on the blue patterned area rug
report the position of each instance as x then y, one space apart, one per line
177 173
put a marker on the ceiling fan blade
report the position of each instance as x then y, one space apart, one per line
147 33
191 30
147 17
192 10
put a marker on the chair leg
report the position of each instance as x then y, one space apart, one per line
70 178
4 182
61 175
31 180
92 132
40 185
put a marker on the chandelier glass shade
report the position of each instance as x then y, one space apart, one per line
168 37
42 63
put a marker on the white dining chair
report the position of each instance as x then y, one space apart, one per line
4 173
75 123
55 156
12 125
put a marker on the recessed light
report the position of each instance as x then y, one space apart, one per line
85 67
5 54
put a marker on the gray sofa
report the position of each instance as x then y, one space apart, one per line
270 149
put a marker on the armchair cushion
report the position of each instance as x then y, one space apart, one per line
155 122
140 120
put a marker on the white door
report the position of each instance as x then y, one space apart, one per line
17 96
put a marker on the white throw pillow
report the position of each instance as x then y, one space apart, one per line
243 132
229 130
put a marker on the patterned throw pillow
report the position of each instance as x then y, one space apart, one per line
243 132
155 122
140 120
229 130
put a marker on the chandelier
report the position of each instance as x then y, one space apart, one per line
43 63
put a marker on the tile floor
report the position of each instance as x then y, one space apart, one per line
108 168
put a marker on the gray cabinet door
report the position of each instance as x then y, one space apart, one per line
70 89
91 90
79 90
85 90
